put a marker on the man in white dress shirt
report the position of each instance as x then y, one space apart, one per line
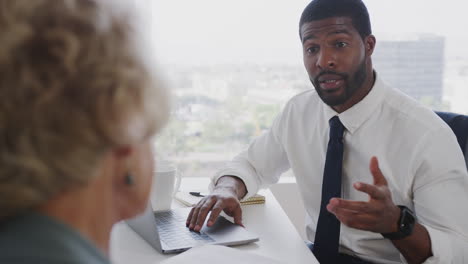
404 190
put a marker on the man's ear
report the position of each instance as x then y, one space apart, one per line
369 43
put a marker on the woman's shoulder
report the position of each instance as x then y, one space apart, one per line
36 238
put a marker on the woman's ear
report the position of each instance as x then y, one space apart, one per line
121 160
132 180
122 152
123 180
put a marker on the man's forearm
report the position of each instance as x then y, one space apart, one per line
417 247
233 183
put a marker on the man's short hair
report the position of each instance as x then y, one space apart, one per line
354 9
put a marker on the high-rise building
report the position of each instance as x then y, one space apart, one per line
415 66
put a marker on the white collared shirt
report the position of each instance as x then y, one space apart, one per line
418 154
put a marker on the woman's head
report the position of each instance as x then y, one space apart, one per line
73 87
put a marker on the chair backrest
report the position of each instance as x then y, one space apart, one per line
459 124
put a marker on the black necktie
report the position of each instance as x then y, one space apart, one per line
328 227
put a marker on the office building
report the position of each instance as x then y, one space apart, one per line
415 66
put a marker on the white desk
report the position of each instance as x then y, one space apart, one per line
278 237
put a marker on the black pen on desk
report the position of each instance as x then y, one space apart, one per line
197 194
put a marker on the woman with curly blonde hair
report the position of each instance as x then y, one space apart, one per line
78 108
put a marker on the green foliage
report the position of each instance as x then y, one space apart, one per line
236 122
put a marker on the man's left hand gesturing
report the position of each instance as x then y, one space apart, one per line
378 215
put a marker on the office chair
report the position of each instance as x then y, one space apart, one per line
459 124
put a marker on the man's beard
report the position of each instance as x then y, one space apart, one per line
352 85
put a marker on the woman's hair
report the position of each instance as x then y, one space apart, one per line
73 85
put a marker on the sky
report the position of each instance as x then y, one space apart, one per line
266 31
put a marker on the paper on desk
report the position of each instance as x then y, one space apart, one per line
189 200
212 254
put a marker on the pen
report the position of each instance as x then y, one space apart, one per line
197 194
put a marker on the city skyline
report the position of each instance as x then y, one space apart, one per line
266 31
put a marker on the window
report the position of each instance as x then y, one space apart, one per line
233 64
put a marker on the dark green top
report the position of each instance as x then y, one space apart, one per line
33 238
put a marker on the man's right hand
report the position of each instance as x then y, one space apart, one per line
225 196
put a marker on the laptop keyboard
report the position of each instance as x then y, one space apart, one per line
174 233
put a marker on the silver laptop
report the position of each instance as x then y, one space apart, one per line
166 231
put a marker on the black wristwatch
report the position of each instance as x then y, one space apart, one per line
405 224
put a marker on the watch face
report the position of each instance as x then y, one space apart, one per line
405 224
407 221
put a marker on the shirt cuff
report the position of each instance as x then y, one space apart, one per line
250 184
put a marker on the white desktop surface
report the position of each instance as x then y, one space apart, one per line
278 237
